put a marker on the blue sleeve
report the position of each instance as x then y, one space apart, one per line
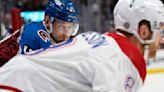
29 40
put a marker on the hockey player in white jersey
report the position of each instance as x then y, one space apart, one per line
90 62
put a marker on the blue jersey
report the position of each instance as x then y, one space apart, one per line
34 36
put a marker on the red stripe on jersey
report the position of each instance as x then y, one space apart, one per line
132 52
10 88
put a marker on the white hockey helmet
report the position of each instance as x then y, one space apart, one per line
128 14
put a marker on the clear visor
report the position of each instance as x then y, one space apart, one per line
75 29
67 29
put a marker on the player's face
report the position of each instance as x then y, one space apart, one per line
144 31
162 26
62 30
162 31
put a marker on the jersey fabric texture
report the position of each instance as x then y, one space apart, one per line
9 47
137 61
34 36
88 63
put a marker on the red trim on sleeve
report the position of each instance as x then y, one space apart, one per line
132 52
10 88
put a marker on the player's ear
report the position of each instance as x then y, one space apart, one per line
47 20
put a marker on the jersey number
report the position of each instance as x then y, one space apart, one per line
95 39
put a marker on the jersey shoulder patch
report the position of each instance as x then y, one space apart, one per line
43 35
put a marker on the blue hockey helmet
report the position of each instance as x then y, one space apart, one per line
63 10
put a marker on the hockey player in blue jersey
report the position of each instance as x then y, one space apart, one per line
60 22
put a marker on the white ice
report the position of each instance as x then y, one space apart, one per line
155 82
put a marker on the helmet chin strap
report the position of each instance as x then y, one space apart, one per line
50 29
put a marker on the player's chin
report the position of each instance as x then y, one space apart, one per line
63 39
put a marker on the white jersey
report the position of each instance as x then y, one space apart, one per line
88 63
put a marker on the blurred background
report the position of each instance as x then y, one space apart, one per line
95 15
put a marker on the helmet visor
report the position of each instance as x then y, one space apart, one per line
66 28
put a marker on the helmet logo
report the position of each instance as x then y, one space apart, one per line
132 3
71 9
126 25
155 25
58 2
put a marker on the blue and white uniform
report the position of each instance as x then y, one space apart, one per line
34 36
